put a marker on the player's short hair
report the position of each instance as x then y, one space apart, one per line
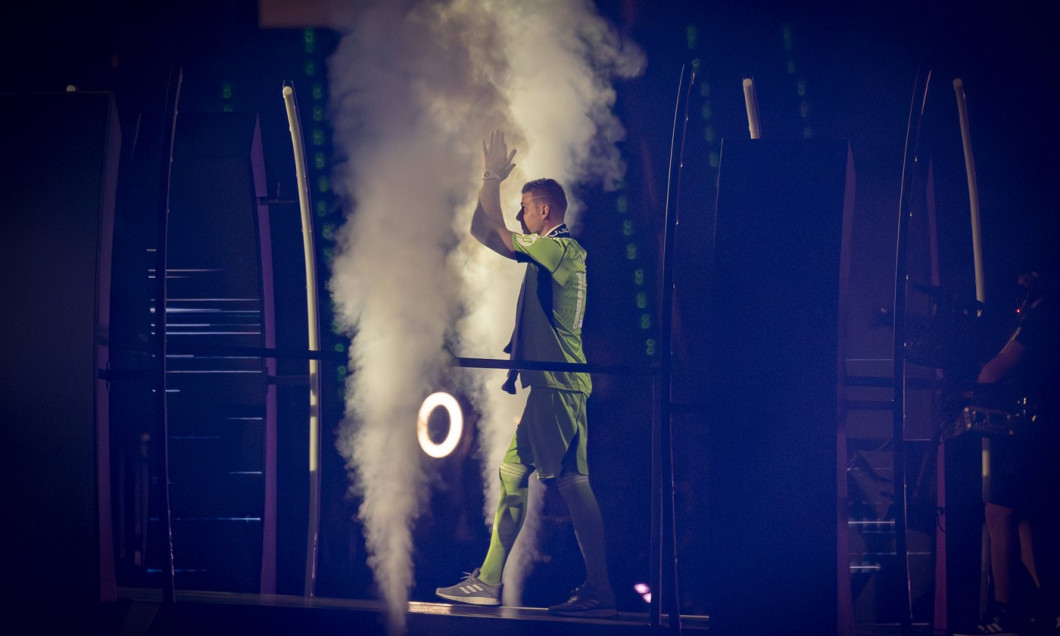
549 191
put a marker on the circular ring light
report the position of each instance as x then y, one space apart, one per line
456 424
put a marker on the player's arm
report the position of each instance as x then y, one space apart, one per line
487 223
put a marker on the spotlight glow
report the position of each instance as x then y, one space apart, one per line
456 424
643 590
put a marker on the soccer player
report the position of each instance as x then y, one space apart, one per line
551 435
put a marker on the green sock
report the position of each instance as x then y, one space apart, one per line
511 511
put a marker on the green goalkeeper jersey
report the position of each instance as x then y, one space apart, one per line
551 308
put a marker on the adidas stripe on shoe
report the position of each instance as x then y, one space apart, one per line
471 590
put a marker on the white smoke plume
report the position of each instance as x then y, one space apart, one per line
415 86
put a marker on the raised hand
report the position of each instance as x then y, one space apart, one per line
495 157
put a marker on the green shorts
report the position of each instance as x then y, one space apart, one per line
551 435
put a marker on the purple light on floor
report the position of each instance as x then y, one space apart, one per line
643 590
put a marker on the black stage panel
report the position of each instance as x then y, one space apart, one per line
772 360
964 529
58 176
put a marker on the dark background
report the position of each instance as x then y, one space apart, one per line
824 71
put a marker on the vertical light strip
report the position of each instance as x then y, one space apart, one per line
973 190
750 98
312 540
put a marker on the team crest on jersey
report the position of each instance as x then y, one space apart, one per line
526 240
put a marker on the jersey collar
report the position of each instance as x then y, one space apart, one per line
559 231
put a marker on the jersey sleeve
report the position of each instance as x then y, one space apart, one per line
546 252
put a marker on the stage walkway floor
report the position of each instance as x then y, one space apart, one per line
140 612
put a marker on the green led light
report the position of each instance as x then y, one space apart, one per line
690 35
226 90
339 347
710 134
802 88
323 183
318 137
328 232
318 90
706 112
788 37
319 161
310 68
329 254
642 300
638 276
309 35
322 208
715 159
627 227
645 321
318 113
622 204
704 89
227 108
649 346
631 251
340 371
